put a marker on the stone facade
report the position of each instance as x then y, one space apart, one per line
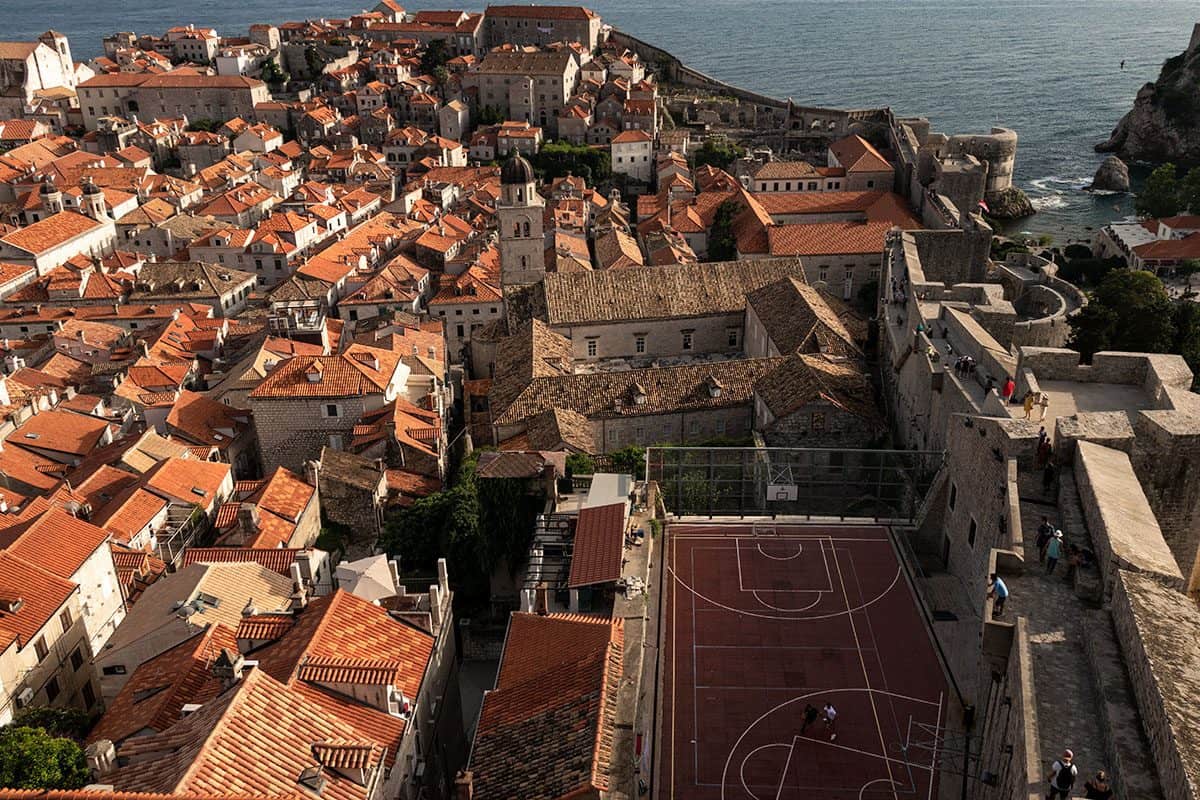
1159 633
293 430
353 490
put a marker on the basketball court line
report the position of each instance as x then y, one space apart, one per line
848 610
799 552
743 588
760 615
837 562
875 649
800 698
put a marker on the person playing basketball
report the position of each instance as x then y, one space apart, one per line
831 720
810 716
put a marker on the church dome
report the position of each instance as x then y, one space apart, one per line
516 170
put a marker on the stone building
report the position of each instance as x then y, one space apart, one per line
354 490
541 25
311 402
530 87
180 92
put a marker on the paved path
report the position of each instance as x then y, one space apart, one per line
1067 700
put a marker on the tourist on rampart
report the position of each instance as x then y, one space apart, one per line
998 590
1062 776
1054 552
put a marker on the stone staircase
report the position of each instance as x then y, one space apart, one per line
1088 585
1131 765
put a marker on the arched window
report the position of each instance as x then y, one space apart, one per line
524 262
516 229
526 227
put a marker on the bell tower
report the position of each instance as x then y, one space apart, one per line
519 214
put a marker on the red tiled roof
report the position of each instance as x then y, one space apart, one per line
342 625
158 689
555 704
276 559
599 543
55 541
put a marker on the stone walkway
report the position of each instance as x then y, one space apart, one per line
1067 700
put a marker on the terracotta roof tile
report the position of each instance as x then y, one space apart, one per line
554 704
599 545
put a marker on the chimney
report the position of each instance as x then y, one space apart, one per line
101 758
312 471
464 785
248 518
297 578
250 610
228 667
443 577
435 608
394 568
542 604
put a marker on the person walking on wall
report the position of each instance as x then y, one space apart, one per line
1054 552
997 589
1044 535
1006 393
1062 776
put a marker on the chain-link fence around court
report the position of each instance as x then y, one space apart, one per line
882 485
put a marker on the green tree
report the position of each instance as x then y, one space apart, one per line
436 54
204 124
557 159
314 61
68 723
273 74
490 115
1129 311
722 244
31 758
630 460
1186 320
718 152
441 77
1160 197
1189 191
580 464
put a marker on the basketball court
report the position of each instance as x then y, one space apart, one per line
761 620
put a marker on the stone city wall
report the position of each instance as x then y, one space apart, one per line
1123 530
1159 633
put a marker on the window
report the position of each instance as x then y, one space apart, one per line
52 690
694 428
40 648
592 348
639 344
822 273
720 427
76 659
89 695
114 669
66 620
971 533
331 410
953 495
459 330
687 340
817 422
335 441
731 337
870 184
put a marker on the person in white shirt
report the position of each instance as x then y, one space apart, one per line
831 720
1062 776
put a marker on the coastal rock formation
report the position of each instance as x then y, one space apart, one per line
1164 124
1010 203
1113 176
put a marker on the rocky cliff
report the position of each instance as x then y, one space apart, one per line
1164 124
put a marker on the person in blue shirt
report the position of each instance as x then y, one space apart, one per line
1054 552
997 589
